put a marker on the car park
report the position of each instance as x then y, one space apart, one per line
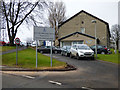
47 49
65 50
101 49
81 51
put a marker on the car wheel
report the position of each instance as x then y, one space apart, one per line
67 55
77 56
71 55
55 52
92 58
41 52
102 52
61 53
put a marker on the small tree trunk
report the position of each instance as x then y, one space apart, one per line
11 41
117 42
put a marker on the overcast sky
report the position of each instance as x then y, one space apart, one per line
106 10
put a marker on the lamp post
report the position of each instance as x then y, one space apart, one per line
94 21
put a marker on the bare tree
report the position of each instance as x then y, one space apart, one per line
17 12
56 15
115 33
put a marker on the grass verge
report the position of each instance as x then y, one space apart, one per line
114 58
27 59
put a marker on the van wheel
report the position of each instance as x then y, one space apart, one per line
71 55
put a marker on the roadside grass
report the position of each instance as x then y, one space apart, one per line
27 59
6 48
114 58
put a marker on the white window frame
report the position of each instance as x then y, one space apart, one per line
82 30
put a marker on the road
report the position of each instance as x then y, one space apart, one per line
89 73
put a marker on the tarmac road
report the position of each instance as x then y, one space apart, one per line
89 73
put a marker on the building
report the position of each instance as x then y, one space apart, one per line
0 20
119 21
79 29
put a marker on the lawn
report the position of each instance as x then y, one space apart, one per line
110 57
27 59
6 48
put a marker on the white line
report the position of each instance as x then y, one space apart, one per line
55 82
28 77
87 88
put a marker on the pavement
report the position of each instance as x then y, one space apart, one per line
8 68
13 50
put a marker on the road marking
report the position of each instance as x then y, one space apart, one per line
55 82
28 77
87 88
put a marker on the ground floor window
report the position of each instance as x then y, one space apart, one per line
70 43
66 43
77 42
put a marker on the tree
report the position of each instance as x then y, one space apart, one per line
16 12
115 33
56 15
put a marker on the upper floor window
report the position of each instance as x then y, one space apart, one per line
82 30
82 22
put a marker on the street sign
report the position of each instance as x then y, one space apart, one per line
17 41
44 33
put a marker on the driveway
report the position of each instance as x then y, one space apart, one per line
90 73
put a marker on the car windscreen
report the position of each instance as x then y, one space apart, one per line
84 47
68 47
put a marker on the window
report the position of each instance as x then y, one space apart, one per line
99 47
82 22
78 42
82 30
66 43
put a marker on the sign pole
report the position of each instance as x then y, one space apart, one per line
51 53
36 54
16 54
17 41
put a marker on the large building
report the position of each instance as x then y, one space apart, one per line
0 19
79 29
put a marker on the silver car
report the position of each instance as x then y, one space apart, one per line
81 50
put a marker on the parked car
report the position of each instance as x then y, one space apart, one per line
33 45
81 50
65 50
101 49
47 49
2 43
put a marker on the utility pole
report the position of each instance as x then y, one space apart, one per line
94 21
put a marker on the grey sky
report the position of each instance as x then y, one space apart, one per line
103 9
106 10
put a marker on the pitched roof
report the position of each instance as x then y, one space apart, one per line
89 15
74 34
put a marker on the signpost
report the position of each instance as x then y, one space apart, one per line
44 34
17 41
